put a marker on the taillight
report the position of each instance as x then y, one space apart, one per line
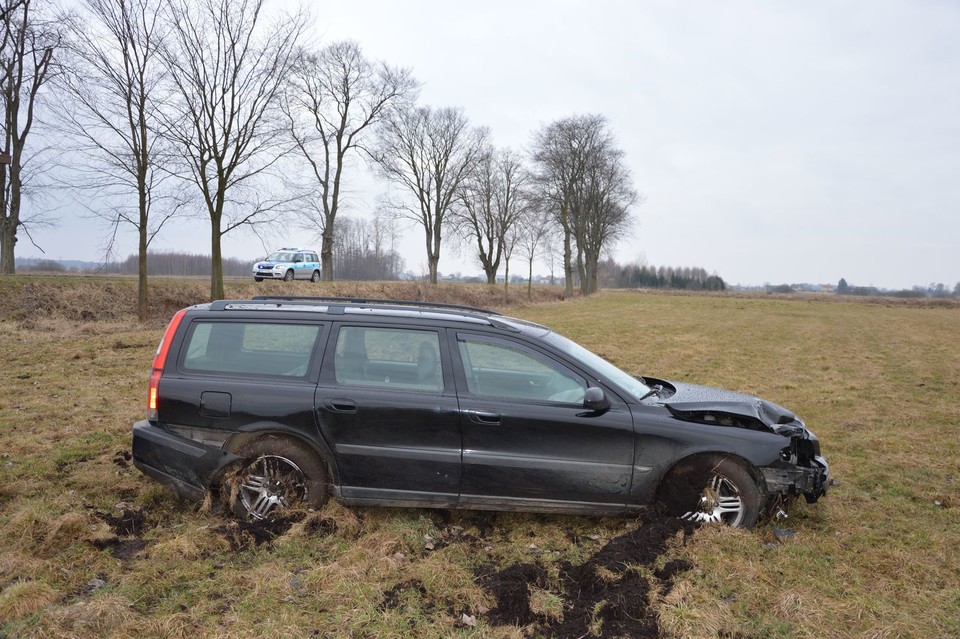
159 361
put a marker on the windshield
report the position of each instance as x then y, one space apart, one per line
629 383
280 256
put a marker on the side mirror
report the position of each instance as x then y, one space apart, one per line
595 399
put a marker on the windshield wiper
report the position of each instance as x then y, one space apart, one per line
654 390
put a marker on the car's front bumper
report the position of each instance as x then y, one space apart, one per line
269 274
785 478
189 467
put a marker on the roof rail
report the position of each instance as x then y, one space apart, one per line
369 300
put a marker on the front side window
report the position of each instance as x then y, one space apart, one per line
396 358
499 369
256 348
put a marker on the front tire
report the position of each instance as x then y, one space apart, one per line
258 279
288 276
279 474
712 489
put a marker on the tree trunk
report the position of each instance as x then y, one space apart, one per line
432 262
589 284
530 280
567 263
582 273
142 313
506 281
216 263
491 274
326 251
8 237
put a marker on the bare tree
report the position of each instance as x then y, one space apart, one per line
560 155
28 42
535 229
491 203
580 176
228 68
112 97
428 153
601 208
335 97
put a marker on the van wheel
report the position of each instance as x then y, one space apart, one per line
315 277
279 474
288 276
712 489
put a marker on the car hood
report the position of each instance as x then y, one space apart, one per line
265 264
704 404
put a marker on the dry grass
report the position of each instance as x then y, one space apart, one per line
877 558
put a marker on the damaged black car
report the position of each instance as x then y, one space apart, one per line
279 402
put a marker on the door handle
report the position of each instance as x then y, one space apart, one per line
339 405
487 417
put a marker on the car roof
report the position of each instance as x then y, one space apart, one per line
374 307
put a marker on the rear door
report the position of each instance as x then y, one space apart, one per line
236 373
528 441
387 407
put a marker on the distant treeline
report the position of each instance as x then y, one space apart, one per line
364 250
178 264
635 275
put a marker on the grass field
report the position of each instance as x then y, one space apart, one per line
91 548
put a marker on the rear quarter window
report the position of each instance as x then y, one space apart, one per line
252 348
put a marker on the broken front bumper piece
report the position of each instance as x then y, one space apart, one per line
788 479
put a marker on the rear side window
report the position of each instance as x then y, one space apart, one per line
255 348
388 357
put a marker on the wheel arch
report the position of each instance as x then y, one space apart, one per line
701 457
263 431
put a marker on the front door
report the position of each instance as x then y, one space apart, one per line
527 439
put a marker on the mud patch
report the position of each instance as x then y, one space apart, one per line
122 458
241 535
130 522
122 549
511 588
393 597
606 596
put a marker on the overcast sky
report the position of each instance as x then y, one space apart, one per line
774 142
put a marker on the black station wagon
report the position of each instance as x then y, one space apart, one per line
279 402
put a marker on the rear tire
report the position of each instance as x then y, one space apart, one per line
712 489
315 277
279 474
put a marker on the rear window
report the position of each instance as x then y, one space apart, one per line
254 348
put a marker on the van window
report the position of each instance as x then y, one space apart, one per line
388 357
255 348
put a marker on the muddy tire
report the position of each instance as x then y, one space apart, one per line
288 276
712 489
279 474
